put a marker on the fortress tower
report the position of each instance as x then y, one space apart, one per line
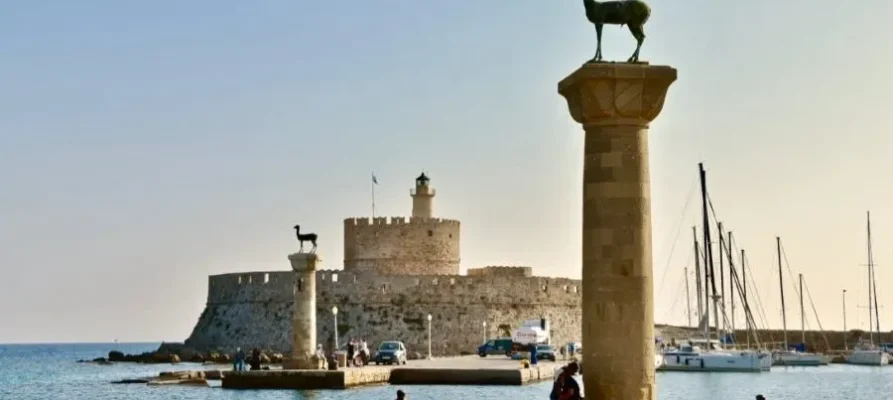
422 198
420 245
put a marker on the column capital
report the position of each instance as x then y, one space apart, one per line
304 262
611 94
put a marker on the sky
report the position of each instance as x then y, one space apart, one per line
147 145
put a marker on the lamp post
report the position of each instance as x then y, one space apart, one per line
335 314
485 332
429 336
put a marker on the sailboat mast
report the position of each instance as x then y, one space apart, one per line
784 319
722 274
877 318
694 233
687 296
708 253
744 294
802 314
870 295
732 274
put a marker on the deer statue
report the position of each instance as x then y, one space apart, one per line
633 13
307 237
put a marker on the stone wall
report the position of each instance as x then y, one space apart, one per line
401 246
257 311
500 270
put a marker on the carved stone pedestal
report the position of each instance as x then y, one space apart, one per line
615 103
303 350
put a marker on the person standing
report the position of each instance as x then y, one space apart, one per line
565 386
239 360
351 347
401 395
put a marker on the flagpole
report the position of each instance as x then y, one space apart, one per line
373 195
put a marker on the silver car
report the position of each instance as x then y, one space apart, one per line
390 352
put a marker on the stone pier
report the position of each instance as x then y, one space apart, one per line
615 102
303 353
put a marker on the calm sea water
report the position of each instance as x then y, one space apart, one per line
49 371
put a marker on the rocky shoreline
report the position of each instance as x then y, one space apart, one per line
175 353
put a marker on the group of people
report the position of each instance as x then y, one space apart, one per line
357 352
239 360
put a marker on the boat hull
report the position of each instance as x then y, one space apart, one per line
720 361
800 359
870 357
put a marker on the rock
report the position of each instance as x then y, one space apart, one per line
264 359
128 381
415 356
115 355
276 358
196 358
175 359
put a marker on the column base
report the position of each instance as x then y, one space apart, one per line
311 362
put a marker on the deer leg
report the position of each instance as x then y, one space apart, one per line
302 247
598 48
639 33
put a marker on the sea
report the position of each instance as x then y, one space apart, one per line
51 371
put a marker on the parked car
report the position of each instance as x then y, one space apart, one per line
545 352
498 346
390 352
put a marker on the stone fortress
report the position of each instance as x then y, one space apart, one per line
396 272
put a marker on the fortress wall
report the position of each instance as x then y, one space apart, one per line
401 246
390 308
501 270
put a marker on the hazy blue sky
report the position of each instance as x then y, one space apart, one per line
146 146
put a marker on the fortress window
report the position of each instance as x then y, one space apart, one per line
384 288
545 288
451 236
240 280
334 277
434 282
575 289
266 278
430 233
249 278
565 288
322 277
301 285
452 281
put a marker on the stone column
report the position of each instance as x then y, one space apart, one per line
303 326
615 102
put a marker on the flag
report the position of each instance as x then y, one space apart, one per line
375 181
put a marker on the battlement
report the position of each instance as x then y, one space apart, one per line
501 270
386 221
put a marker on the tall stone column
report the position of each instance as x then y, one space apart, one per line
615 102
303 327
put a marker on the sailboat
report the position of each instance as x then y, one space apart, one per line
706 354
788 356
867 353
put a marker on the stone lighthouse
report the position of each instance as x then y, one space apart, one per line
422 198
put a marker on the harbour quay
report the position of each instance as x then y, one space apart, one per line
467 370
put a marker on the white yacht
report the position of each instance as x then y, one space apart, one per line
712 358
796 358
867 354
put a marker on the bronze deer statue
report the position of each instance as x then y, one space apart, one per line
633 13
308 237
